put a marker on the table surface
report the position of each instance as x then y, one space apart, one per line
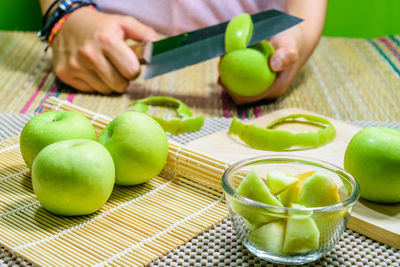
346 79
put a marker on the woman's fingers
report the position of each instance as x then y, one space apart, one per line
283 58
123 59
135 30
109 75
81 85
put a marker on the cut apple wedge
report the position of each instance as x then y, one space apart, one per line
292 193
318 190
301 235
269 237
278 181
254 188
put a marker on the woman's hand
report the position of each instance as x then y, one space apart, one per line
90 53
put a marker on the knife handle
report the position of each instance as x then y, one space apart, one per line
143 51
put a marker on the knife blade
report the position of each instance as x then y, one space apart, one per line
190 48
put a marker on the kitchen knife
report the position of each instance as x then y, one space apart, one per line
190 48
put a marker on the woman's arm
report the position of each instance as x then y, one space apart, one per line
90 53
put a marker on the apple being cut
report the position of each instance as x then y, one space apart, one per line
73 177
246 72
52 126
373 158
138 145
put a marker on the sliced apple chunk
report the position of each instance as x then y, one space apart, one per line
292 193
319 190
254 188
278 181
269 237
302 234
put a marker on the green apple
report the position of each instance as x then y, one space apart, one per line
52 126
138 145
246 72
238 32
73 177
373 158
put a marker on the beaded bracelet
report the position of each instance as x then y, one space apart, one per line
64 8
56 28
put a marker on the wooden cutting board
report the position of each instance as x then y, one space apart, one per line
380 222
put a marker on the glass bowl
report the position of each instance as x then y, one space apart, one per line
294 235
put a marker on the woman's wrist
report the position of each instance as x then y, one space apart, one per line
57 13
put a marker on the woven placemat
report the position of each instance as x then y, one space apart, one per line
346 79
219 246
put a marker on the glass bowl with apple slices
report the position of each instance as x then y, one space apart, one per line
289 209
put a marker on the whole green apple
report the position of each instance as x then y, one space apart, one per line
373 158
138 145
73 177
52 126
246 72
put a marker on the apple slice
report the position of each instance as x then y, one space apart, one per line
292 193
319 190
278 181
302 234
253 187
269 237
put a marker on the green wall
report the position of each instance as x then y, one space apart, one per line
349 18
362 18
23 15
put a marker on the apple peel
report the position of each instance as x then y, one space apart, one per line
185 122
238 32
277 140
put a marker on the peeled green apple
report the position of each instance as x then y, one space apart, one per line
73 177
138 145
50 127
373 158
246 72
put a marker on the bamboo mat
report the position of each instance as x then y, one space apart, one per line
136 226
346 79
